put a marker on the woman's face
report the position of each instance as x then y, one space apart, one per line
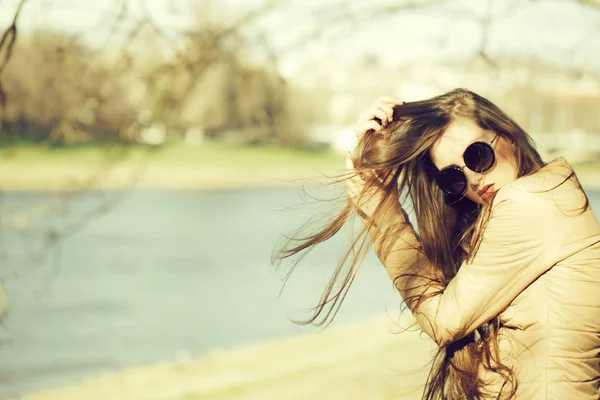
449 148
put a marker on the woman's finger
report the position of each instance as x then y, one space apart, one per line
382 115
366 127
384 103
389 112
367 116
372 114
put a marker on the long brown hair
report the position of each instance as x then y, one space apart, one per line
396 161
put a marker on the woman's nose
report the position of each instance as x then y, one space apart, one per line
474 179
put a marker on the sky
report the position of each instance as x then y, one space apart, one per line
301 32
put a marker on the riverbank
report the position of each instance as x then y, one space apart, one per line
367 361
175 167
209 166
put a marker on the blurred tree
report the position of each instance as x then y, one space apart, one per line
63 91
210 84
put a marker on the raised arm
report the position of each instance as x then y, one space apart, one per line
516 248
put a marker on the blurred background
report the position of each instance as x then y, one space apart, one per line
154 152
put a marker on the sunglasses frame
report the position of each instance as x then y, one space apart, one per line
439 175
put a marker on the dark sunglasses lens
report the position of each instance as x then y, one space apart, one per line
451 181
479 157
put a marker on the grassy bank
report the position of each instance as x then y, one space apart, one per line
210 165
183 167
358 362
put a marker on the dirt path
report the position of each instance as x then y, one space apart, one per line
367 361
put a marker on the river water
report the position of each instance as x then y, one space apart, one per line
164 275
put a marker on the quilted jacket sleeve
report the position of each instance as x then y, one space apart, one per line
519 243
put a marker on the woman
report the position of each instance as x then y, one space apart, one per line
504 273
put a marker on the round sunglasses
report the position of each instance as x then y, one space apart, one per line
478 157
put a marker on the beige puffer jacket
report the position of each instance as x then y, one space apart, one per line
538 267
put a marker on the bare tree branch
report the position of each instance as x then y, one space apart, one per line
352 19
8 39
486 24
7 43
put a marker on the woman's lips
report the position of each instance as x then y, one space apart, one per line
487 191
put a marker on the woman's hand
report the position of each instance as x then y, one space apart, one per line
375 119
